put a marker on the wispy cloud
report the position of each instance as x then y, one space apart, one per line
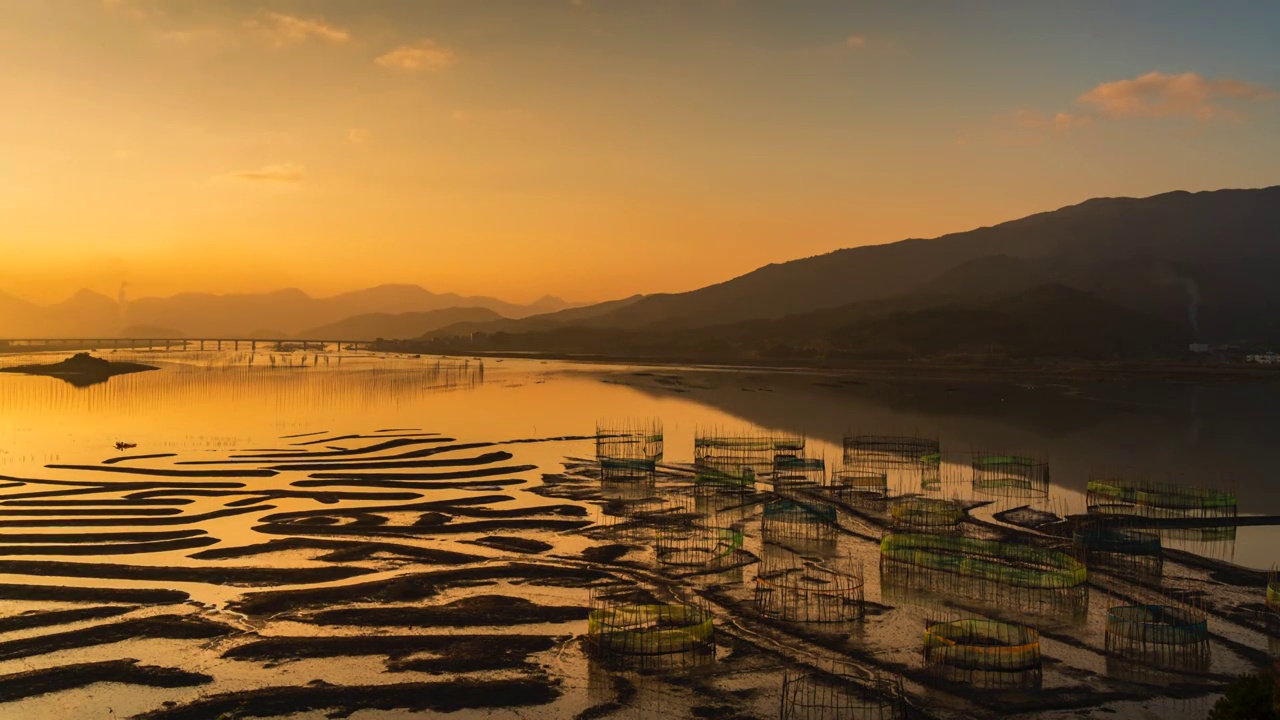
357 136
280 29
281 173
1159 95
423 56
855 42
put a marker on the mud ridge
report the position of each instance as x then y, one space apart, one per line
128 671
342 700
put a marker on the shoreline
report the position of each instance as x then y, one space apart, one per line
921 369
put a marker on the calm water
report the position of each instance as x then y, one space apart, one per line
217 407
1222 435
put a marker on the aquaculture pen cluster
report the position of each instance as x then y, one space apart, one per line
984 652
629 451
835 696
924 553
799 590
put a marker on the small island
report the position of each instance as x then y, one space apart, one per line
81 369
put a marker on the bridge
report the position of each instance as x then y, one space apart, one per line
177 344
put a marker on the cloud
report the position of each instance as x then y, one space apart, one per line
855 42
282 173
357 135
281 30
1158 95
423 56
1066 122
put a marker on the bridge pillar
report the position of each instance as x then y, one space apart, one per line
202 345
219 344
253 346
304 346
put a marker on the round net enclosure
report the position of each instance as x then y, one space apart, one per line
1273 592
1027 576
1010 475
919 512
1148 498
697 546
797 590
731 463
1118 547
651 629
842 696
891 450
853 480
628 450
801 519
794 471
1163 634
981 650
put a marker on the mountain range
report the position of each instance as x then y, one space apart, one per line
1108 277
282 313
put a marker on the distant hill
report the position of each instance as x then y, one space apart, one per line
1206 260
371 326
1045 321
1108 277
278 313
545 321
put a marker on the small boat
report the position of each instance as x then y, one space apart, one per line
126 446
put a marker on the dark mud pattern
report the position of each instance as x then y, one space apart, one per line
513 544
29 620
130 458
342 700
496 610
454 652
59 593
410 588
219 576
341 551
178 627
129 672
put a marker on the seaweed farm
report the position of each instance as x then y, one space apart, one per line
386 537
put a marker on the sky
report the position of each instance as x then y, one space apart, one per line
589 149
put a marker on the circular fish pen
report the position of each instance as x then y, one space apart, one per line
891 450
985 652
1273 592
731 463
1165 635
856 482
823 696
628 452
793 471
796 519
661 632
1024 576
926 513
1128 496
1119 547
1010 476
697 546
807 592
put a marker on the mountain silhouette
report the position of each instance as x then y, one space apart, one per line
1140 276
280 313
371 326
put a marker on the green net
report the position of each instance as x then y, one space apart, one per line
1116 540
1004 563
650 629
926 512
979 644
1159 495
1157 625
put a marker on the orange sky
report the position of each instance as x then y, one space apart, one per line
588 149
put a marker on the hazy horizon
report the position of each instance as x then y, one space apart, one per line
587 149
